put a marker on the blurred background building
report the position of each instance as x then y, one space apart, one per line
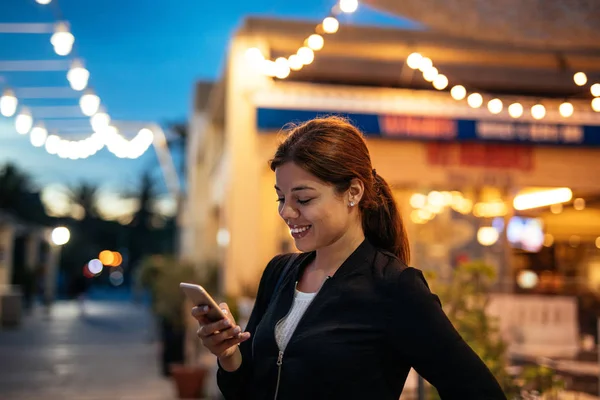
457 166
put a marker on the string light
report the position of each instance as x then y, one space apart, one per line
62 39
580 78
24 121
330 25
440 82
538 111
315 42
430 74
8 103
89 103
475 100
282 68
458 92
38 135
495 106
413 60
425 63
100 121
515 110
348 6
306 55
566 109
295 62
78 76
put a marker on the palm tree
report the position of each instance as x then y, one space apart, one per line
14 186
85 195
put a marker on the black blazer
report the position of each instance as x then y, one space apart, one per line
372 321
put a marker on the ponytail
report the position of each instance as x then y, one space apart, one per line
382 223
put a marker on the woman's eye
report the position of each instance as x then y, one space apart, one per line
280 200
303 201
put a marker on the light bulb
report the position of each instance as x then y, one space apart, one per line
425 63
458 92
430 74
596 104
78 76
580 78
8 103
89 103
566 109
24 121
100 121
595 89
440 82
495 106
295 62
254 56
330 25
38 135
475 100
315 42
306 55
515 110
538 111
269 68
282 69
413 60
348 6
52 144
43 2
146 136
62 39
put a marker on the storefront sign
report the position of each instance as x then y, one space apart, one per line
444 129
484 155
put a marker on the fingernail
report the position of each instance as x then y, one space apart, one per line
204 308
224 311
236 330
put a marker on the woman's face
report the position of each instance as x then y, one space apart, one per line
316 215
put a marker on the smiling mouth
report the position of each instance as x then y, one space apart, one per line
300 231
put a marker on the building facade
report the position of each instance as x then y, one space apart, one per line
455 169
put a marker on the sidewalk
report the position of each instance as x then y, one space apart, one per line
106 354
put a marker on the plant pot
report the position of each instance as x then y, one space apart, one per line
188 380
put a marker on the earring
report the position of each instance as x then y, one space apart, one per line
351 204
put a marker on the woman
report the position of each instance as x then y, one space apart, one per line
345 319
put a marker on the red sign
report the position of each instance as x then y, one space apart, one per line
418 127
481 155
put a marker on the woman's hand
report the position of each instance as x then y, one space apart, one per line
221 337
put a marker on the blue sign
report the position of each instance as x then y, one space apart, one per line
423 128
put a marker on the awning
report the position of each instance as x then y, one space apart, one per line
544 23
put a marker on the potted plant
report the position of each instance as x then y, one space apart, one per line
465 299
161 275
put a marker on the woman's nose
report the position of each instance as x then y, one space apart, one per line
288 212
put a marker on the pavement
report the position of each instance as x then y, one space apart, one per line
109 352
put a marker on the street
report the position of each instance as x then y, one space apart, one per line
107 353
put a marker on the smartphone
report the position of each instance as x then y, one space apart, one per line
199 296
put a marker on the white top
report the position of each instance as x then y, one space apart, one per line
286 327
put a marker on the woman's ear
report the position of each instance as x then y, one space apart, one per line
356 191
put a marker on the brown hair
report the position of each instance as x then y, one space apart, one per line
335 151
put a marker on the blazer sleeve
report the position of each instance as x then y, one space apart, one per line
423 334
237 384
